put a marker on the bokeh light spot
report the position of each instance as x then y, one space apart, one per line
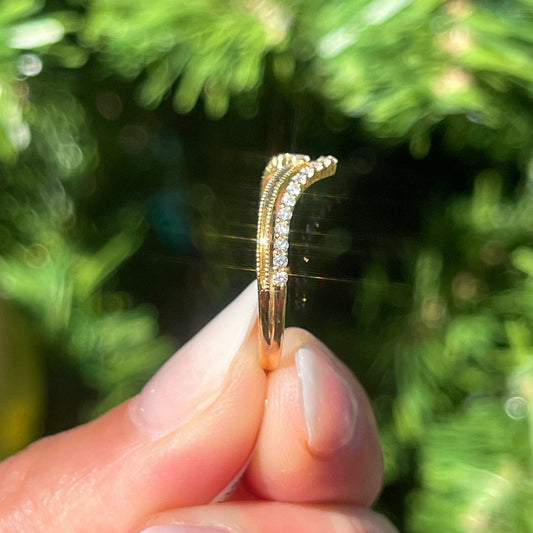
516 407
29 64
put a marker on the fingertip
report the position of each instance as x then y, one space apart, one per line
319 439
193 378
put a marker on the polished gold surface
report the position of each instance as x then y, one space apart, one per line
284 180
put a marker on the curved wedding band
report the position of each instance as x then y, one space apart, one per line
284 179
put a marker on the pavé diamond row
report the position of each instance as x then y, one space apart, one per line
298 182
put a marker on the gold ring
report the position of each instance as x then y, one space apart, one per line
284 179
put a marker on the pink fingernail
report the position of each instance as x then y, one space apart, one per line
193 378
185 529
327 400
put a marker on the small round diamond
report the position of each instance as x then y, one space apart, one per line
282 228
318 165
294 188
326 162
309 171
280 260
281 244
285 213
280 278
301 178
288 199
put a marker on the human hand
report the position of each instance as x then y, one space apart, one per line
306 459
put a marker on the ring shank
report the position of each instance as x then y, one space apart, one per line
271 325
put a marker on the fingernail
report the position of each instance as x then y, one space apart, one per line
185 529
193 378
328 403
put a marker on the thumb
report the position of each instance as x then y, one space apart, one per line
178 443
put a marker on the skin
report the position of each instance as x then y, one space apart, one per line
111 476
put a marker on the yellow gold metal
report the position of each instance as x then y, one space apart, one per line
284 179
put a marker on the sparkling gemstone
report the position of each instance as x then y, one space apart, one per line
285 213
280 260
317 165
308 171
294 188
282 228
301 178
280 278
288 199
326 162
281 243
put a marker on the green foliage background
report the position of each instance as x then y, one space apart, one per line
132 135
